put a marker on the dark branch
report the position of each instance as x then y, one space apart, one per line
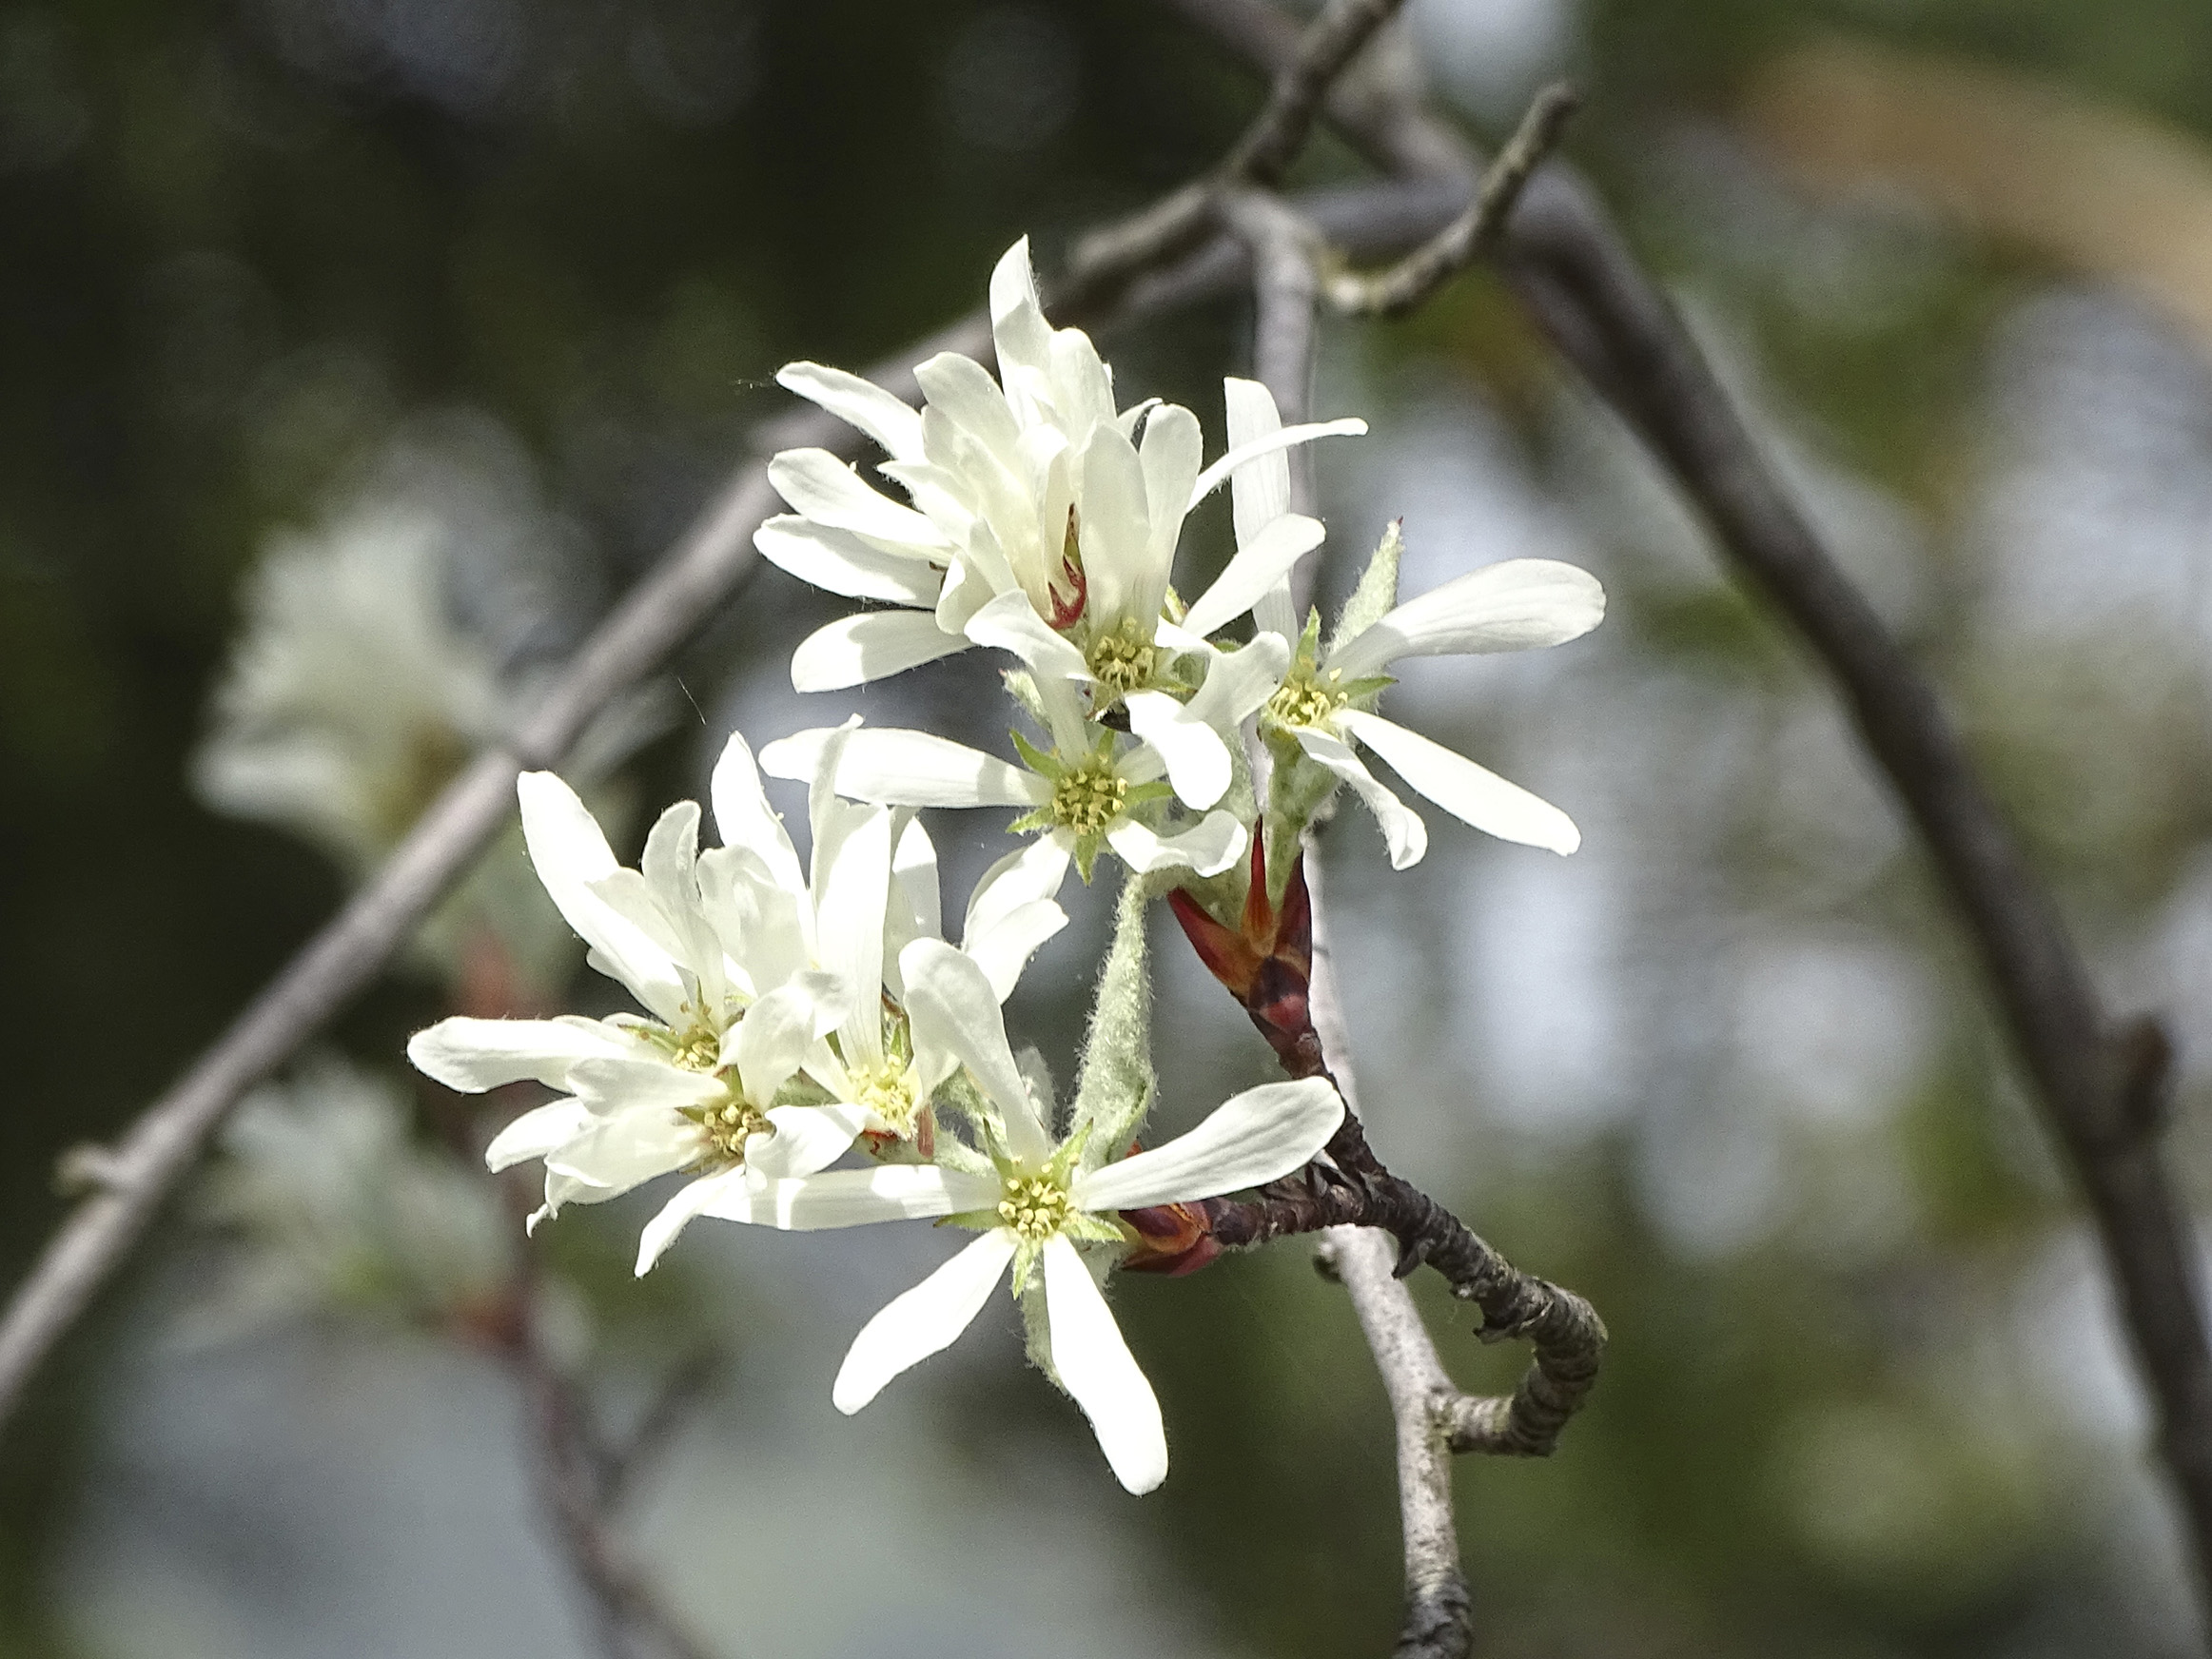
1113 255
578 1481
1472 236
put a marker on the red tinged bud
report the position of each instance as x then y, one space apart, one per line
1266 961
1068 612
1172 1240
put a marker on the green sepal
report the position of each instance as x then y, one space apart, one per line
1086 852
1033 823
975 1220
1060 1168
1377 593
1095 1229
1152 789
1026 1255
1037 1336
1037 760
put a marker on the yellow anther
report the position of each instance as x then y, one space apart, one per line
1089 797
1036 1207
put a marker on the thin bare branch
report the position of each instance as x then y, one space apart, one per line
578 1479
1264 154
2103 1083
1439 1621
1285 284
1113 255
1468 238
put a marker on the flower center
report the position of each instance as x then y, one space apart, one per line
1036 1207
1123 660
1088 798
888 1090
697 1049
1305 698
727 1126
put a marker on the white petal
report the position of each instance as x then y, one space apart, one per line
694 1197
1004 949
871 646
769 1043
646 1080
1519 605
1036 871
924 1321
1198 761
917 910
1237 683
1082 386
544 1129
570 854
1018 328
744 818
853 897
1273 612
963 389
844 563
855 1197
475 1055
1209 847
1097 1368
858 402
1469 792
670 858
807 1139
627 1150
1009 622
1210 480
1171 454
908 769
1258 566
1402 831
1259 490
1250 1139
823 488
1115 533
956 1020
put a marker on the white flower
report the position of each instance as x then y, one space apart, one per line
354 693
351 696
743 963
333 1203
1037 486
1082 797
876 1070
1038 1203
1324 702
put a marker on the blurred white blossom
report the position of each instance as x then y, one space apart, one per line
332 1204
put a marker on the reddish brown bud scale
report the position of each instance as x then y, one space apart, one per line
1266 961
1172 1240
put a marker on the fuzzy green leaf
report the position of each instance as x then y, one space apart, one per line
1115 1082
1376 593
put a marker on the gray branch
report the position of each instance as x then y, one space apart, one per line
1475 233
2104 1084
1438 1621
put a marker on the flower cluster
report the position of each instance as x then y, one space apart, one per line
813 1052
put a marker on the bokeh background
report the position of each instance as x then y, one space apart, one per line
477 300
